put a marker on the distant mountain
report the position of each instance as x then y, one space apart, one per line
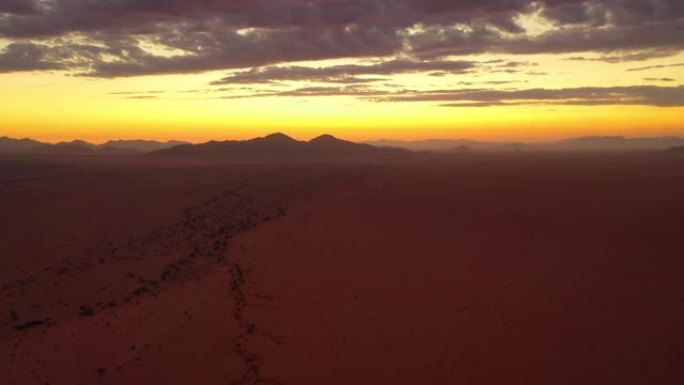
676 150
441 145
616 143
329 145
141 145
450 145
80 147
326 146
77 143
108 150
280 146
585 143
463 148
77 147
11 145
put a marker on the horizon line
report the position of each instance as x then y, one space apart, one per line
185 141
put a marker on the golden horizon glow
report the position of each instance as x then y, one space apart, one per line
56 107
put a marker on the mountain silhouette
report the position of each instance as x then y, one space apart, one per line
442 145
579 144
274 145
328 144
279 145
140 145
617 143
327 139
11 145
76 147
676 150
77 142
275 139
81 147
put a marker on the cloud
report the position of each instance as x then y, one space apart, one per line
145 37
137 92
587 96
236 50
622 57
458 40
27 57
486 97
345 73
659 79
655 67
141 97
18 7
353 90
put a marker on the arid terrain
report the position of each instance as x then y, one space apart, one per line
463 268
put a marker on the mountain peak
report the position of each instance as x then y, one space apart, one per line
279 145
18 145
278 137
77 142
324 139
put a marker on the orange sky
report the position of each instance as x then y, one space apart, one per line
54 107
48 94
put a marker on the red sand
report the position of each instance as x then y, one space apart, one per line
475 269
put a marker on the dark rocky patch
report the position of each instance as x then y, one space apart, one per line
34 323
86 311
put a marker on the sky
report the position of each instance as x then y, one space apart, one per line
359 69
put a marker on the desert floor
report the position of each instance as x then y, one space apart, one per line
462 269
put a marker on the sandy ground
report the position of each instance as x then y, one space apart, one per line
472 268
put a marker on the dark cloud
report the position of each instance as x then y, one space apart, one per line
235 50
616 12
588 96
139 16
353 90
484 97
27 57
346 73
462 41
202 35
655 67
575 13
18 7
622 57
659 79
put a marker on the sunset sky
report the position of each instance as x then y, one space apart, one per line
359 69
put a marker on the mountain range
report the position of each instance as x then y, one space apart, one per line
618 143
80 147
580 144
281 146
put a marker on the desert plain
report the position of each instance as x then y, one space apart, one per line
464 268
